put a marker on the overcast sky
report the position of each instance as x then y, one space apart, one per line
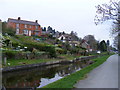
61 15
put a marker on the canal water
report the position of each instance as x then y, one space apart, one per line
41 76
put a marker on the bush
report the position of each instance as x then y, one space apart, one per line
93 53
9 30
60 50
24 55
42 47
7 41
10 54
15 44
51 50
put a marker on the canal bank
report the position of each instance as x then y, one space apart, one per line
29 66
40 76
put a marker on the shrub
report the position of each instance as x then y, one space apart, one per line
15 44
7 41
24 55
9 30
10 54
42 47
51 50
60 50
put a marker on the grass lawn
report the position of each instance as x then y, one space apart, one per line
70 80
25 61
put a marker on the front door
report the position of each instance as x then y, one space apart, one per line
29 32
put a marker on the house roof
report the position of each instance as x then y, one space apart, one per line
75 42
22 21
65 35
85 43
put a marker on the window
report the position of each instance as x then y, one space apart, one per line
30 26
36 27
17 31
25 31
25 26
17 25
32 31
36 33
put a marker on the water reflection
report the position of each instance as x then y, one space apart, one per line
45 81
41 76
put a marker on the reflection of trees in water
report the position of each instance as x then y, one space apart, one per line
32 78
21 82
70 69
27 79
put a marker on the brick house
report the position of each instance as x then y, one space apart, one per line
24 27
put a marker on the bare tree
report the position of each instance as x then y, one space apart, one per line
109 11
116 41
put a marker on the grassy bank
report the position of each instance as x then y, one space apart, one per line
13 62
70 80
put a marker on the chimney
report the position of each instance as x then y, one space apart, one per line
18 18
36 21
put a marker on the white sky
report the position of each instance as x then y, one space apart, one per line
61 15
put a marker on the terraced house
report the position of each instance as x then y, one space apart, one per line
24 27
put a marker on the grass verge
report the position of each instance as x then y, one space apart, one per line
70 80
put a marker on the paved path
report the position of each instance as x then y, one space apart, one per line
104 76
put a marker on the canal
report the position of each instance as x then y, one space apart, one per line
40 76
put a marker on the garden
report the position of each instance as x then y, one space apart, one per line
22 50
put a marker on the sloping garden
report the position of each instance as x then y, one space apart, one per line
21 50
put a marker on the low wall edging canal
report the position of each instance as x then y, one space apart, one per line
22 67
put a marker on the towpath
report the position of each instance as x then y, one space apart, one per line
104 76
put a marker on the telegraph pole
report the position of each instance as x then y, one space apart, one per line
108 50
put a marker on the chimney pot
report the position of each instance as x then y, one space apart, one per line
18 18
36 21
